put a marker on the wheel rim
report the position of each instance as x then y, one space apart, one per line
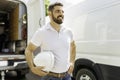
85 77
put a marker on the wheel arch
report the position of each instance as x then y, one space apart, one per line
88 64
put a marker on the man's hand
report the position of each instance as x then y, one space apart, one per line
70 70
39 71
72 56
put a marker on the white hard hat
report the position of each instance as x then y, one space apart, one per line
45 59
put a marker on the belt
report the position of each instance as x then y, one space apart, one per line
58 75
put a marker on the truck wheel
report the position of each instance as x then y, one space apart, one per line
85 74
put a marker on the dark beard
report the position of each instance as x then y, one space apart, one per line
57 20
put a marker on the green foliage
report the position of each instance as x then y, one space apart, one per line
47 2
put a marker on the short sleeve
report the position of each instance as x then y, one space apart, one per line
37 38
70 33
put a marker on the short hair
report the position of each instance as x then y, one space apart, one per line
51 7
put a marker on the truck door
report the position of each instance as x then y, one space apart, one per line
36 15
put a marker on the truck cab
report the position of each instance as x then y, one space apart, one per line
19 19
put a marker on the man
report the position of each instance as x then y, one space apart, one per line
56 38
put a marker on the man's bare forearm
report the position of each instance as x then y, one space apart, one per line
29 54
72 53
29 58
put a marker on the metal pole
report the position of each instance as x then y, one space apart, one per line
2 75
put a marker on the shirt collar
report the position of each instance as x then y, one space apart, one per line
49 27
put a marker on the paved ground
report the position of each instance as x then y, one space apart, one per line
9 77
15 78
13 75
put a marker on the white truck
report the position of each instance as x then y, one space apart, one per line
19 19
96 28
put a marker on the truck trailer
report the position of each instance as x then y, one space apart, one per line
19 19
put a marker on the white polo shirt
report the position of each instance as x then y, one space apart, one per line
59 43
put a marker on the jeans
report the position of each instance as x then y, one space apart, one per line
67 77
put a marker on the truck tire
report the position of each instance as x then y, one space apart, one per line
85 74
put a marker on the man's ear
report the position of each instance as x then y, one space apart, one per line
49 13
